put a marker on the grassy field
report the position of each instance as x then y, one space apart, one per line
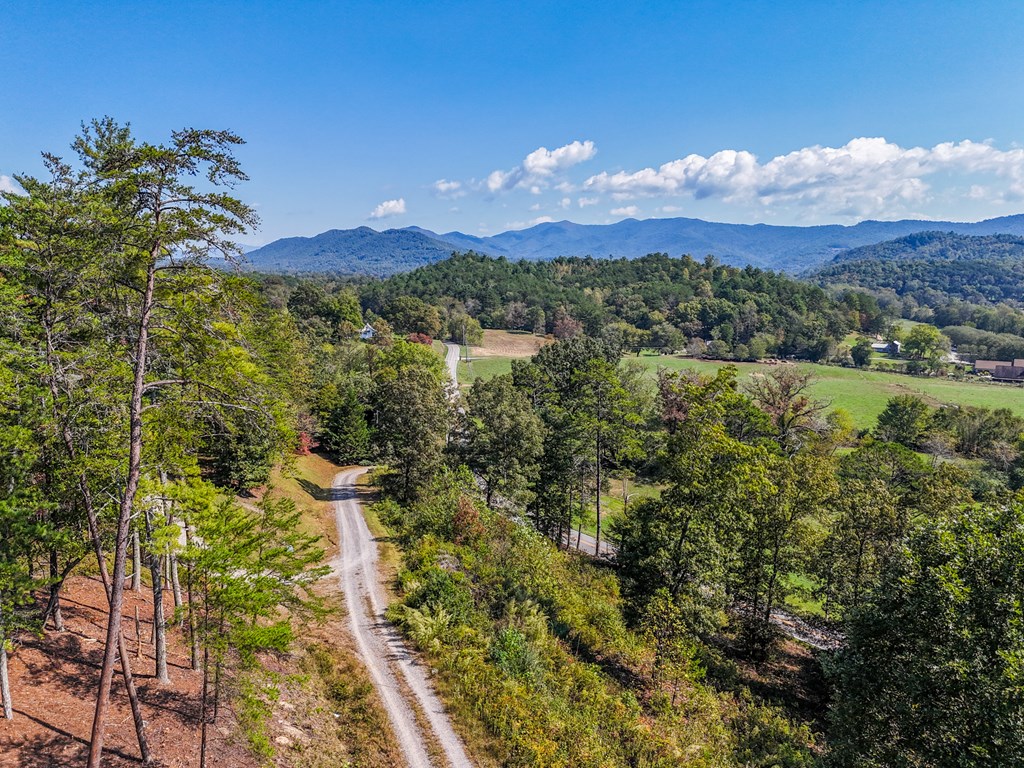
862 393
483 368
865 393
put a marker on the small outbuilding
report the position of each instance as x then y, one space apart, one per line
368 332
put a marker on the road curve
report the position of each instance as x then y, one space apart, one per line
389 662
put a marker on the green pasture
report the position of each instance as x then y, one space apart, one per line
483 368
863 393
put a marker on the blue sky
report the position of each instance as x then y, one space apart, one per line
777 112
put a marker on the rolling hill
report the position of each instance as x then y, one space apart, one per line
935 267
362 251
787 248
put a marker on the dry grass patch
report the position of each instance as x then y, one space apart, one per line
509 344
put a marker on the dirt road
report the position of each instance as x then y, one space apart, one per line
451 360
395 671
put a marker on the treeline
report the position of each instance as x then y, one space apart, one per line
140 389
654 302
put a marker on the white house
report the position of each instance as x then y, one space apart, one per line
368 332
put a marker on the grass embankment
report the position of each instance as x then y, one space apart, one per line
327 694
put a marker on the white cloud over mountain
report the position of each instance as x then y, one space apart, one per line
539 166
389 208
865 177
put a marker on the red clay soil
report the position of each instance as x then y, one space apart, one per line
53 687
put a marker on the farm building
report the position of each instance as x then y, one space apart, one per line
1009 372
887 348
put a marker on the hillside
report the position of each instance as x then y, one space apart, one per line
362 251
789 249
934 267
655 300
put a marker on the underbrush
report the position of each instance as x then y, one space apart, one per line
537 664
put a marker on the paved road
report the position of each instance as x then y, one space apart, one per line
587 543
395 671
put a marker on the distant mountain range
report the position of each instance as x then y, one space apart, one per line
790 249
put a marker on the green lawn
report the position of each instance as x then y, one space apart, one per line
483 368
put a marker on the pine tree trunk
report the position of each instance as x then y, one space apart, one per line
159 624
597 539
5 684
114 637
96 744
568 529
53 607
175 584
193 633
136 563
583 506
203 717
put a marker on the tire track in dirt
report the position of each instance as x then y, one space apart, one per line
393 668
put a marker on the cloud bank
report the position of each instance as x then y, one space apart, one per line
865 177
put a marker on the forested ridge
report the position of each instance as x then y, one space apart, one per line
655 301
145 394
969 286
932 265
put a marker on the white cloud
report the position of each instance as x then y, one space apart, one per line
540 166
628 211
544 162
865 177
535 207
670 209
565 202
585 201
448 189
7 184
389 208
530 223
